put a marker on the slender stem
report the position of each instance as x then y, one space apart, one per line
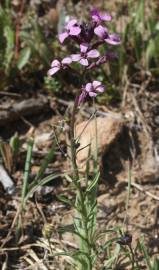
80 196
73 146
79 136
27 171
72 138
96 135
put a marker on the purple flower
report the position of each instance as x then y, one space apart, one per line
84 54
56 65
102 32
113 39
90 89
99 17
72 29
83 34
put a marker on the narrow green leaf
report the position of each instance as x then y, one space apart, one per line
155 264
68 178
9 50
115 255
94 182
150 52
91 211
140 12
65 200
15 144
50 156
9 35
23 57
33 187
146 255
27 169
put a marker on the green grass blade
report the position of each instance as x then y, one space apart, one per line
93 183
50 156
145 253
15 144
27 170
33 187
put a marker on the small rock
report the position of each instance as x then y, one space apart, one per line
108 129
6 181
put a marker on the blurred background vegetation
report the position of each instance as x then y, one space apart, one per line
28 43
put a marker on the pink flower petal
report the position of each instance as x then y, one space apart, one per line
92 94
98 17
95 18
101 31
100 89
84 61
55 63
84 48
75 31
88 87
96 84
63 36
93 54
95 15
75 57
71 23
106 17
113 39
67 60
53 70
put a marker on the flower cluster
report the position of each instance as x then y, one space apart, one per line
89 37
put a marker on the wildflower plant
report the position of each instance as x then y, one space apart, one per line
88 38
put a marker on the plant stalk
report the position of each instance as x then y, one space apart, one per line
80 198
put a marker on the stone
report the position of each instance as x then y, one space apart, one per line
108 130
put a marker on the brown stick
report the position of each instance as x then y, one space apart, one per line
24 108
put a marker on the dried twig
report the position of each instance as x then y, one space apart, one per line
24 108
9 94
146 192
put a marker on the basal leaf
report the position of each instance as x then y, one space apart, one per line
24 57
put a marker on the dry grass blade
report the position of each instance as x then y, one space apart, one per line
45 244
146 192
34 261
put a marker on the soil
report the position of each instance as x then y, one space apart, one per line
135 150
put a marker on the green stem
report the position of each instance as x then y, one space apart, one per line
80 199
96 136
73 144
27 171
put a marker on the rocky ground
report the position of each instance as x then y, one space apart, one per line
128 132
